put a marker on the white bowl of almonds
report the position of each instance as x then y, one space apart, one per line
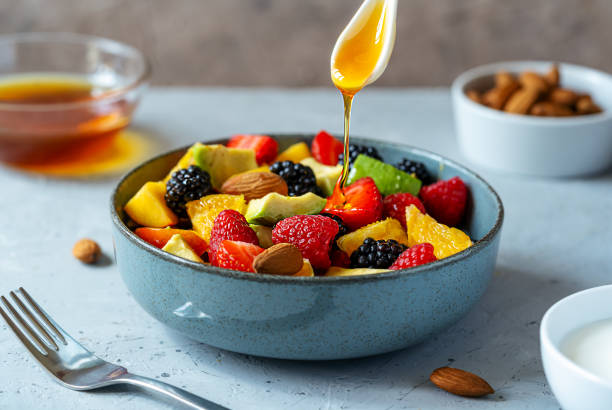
535 118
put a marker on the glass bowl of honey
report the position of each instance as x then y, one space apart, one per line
65 96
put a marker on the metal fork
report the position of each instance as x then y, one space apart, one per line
72 365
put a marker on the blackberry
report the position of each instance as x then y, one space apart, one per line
186 185
355 150
376 254
343 229
416 168
300 179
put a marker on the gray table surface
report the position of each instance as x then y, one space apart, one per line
556 240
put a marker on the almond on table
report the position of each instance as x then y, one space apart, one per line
460 382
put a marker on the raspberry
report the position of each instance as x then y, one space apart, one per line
416 168
186 185
312 234
417 255
395 206
229 225
376 254
237 255
445 200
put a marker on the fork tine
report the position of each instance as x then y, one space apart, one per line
32 343
34 320
52 325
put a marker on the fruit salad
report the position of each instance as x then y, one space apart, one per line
245 206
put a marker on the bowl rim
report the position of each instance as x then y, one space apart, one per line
113 46
486 70
555 351
477 247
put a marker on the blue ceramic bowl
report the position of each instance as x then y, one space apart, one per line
310 318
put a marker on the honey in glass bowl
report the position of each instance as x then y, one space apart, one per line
65 97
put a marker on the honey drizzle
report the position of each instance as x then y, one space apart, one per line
352 67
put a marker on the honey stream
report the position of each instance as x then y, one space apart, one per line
357 60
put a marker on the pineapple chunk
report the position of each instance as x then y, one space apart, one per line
148 206
184 162
203 211
177 246
295 153
263 168
423 228
338 271
306 269
390 228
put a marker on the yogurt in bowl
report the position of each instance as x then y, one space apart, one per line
590 347
576 346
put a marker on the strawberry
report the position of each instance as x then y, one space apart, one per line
445 200
237 255
395 206
266 148
417 255
362 204
158 237
312 234
229 225
326 148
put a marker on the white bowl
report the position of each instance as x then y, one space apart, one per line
575 387
541 146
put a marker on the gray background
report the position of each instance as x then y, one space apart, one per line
288 42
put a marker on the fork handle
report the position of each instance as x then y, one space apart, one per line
183 396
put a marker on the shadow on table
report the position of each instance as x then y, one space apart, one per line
130 392
498 340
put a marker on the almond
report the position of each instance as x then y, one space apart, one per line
550 109
521 101
529 79
563 96
86 250
460 382
474 96
280 259
585 105
497 97
552 76
254 185
503 78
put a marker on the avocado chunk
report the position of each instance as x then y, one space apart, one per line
264 235
326 175
179 247
273 207
222 162
388 179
